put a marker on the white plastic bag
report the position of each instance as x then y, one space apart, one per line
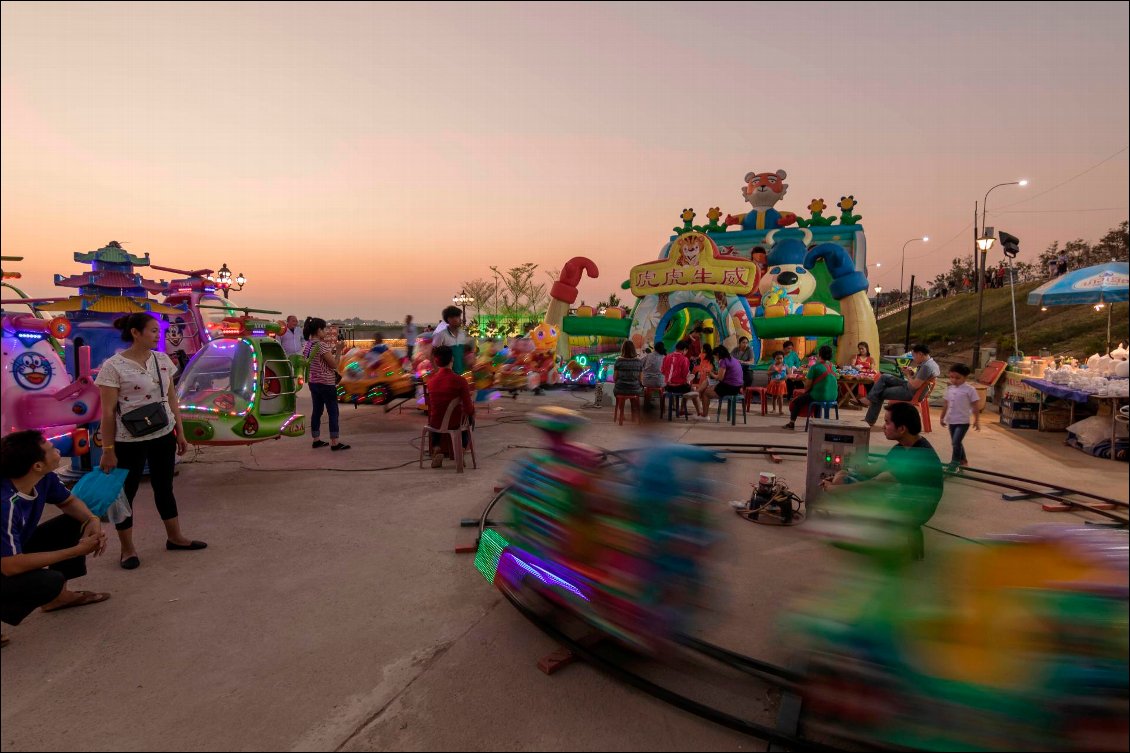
119 510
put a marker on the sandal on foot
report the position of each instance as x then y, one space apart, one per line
192 545
83 598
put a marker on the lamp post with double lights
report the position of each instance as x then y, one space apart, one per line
223 280
463 301
902 269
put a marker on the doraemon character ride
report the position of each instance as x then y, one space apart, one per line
241 388
36 392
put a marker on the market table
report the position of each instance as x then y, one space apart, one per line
1044 387
848 386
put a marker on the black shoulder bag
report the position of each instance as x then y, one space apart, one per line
147 419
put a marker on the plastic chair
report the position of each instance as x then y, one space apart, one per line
921 399
647 393
761 390
676 404
731 409
619 409
825 407
455 435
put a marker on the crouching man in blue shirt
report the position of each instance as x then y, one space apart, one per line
36 561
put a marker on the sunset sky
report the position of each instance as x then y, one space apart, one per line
365 160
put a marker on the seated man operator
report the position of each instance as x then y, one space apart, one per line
900 491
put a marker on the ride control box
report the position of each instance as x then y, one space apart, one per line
831 447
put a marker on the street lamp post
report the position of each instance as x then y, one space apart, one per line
462 301
878 290
984 243
223 280
902 269
984 210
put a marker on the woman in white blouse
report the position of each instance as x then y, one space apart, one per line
135 378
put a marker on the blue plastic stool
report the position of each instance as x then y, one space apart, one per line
731 409
676 404
826 407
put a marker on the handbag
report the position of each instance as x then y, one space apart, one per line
147 419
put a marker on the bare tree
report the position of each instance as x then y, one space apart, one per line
519 299
482 291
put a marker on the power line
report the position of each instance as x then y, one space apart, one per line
1045 211
936 249
1064 183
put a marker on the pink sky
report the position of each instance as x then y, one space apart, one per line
365 160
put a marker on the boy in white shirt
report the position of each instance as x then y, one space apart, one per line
961 404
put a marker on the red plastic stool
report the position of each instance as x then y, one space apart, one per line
619 409
762 391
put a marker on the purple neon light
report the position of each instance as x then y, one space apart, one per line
540 569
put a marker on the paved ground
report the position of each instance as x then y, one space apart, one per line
330 612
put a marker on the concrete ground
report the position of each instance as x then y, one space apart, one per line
330 611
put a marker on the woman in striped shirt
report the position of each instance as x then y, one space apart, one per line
323 358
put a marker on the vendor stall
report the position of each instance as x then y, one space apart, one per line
1083 389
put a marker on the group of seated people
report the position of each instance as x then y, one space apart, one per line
716 372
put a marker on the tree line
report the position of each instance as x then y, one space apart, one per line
1114 246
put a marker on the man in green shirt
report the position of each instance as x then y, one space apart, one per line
819 385
898 494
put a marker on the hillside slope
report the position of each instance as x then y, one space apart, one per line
1070 330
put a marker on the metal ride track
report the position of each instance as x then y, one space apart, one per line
786 680
769 673
1053 492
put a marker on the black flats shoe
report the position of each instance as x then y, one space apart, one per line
339 446
185 547
318 443
130 563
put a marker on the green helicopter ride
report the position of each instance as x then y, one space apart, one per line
242 388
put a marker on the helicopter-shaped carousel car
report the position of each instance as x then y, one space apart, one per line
241 388
188 332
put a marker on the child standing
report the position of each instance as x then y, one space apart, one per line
778 376
962 403
704 379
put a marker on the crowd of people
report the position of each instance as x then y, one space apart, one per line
717 373
137 390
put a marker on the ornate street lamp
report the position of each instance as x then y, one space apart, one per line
463 301
223 280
